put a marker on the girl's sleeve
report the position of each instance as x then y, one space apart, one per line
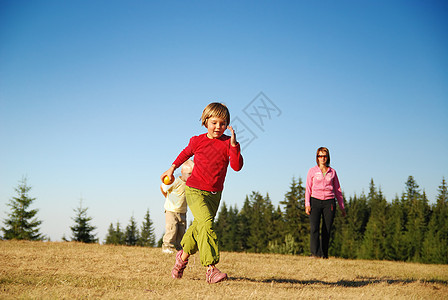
185 154
236 159
337 191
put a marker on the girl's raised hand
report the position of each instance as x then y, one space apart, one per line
233 141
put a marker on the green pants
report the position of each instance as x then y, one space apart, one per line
201 235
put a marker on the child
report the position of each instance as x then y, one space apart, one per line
175 209
213 151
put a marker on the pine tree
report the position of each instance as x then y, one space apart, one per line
338 232
296 221
132 234
395 242
147 235
435 245
416 210
82 230
115 236
234 242
277 239
227 229
260 219
221 227
244 225
269 219
257 239
357 218
373 245
110 236
22 223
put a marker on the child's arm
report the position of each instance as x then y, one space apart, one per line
181 158
163 192
233 141
169 173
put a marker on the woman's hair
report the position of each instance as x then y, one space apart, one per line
327 152
217 110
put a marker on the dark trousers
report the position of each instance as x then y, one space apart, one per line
320 239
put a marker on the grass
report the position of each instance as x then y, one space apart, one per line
50 270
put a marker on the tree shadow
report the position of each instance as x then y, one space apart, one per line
363 281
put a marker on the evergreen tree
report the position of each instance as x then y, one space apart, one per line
147 235
260 223
221 227
269 218
131 234
221 219
227 229
22 223
412 192
244 225
110 236
296 221
395 242
82 231
357 218
277 240
435 245
373 243
408 196
257 240
340 228
416 211
115 236
234 243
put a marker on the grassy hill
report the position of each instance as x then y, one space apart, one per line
75 270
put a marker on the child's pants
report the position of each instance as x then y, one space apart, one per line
201 235
321 210
175 225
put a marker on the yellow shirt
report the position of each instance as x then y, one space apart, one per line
175 200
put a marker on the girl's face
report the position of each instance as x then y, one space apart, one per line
216 127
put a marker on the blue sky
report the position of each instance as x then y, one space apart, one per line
97 98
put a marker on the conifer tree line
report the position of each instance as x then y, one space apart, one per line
132 235
22 224
406 229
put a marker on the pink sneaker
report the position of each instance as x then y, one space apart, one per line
215 275
179 266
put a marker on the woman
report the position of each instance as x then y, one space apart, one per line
322 190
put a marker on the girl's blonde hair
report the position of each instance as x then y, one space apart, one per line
189 164
217 110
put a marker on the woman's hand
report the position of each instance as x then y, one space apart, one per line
308 210
233 141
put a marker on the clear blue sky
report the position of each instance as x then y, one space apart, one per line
97 98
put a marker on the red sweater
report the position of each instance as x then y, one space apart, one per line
211 159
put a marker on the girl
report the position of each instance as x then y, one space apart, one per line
213 151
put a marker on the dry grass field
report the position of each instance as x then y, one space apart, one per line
49 270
